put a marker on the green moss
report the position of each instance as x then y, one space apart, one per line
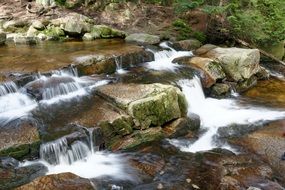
123 125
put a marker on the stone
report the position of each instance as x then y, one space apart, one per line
88 37
32 32
22 39
262 74
181 126
138 138
53 33
211 70
239 64
220 90
246 84
253 188
104 31
142 38
2 38
204 49
46 3
41 37
19 139
98 64
61 181
73 24
187 45
13 175
147 104
15 25
38 25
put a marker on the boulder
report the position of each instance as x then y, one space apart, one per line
53 33
32 32
38 25
19 139
13 175
61 181
147 104
73 24
46 3
211 70
187 45
220 90
16 25
104 31
2 38
19 38
142 38
239 64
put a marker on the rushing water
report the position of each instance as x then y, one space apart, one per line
163 59
216 113
81 159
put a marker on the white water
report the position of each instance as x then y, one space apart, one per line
216 113
163 59
81 159
7 88
119 65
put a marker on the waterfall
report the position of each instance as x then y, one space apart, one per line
7 88
119 65
80 158
216 113
163 59
60 89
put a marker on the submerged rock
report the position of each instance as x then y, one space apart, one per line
19 139
153 104
142 38
61 181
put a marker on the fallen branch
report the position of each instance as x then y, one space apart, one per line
261 51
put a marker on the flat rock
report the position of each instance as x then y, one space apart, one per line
142 38
148 104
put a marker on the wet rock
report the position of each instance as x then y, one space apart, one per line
136 139
142 38
220 90
11 175
41 37
187 45
247 84
2 38
153 104
204 49
61 181
19 38
182 126
98 64
238 64
268 143
88 37
262 74
235 130
19 139
32 32
53 33
211 70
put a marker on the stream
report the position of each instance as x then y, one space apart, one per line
55 100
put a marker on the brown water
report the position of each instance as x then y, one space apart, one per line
53 55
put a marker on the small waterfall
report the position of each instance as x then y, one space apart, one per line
163 59
58 152
81 159
7 88
60 89
216 113
119 65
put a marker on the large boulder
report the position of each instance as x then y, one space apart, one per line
20 38
61 181
19 25
147 104
19 139
2 38
142 38
210 70
239 64
74 24
46 3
